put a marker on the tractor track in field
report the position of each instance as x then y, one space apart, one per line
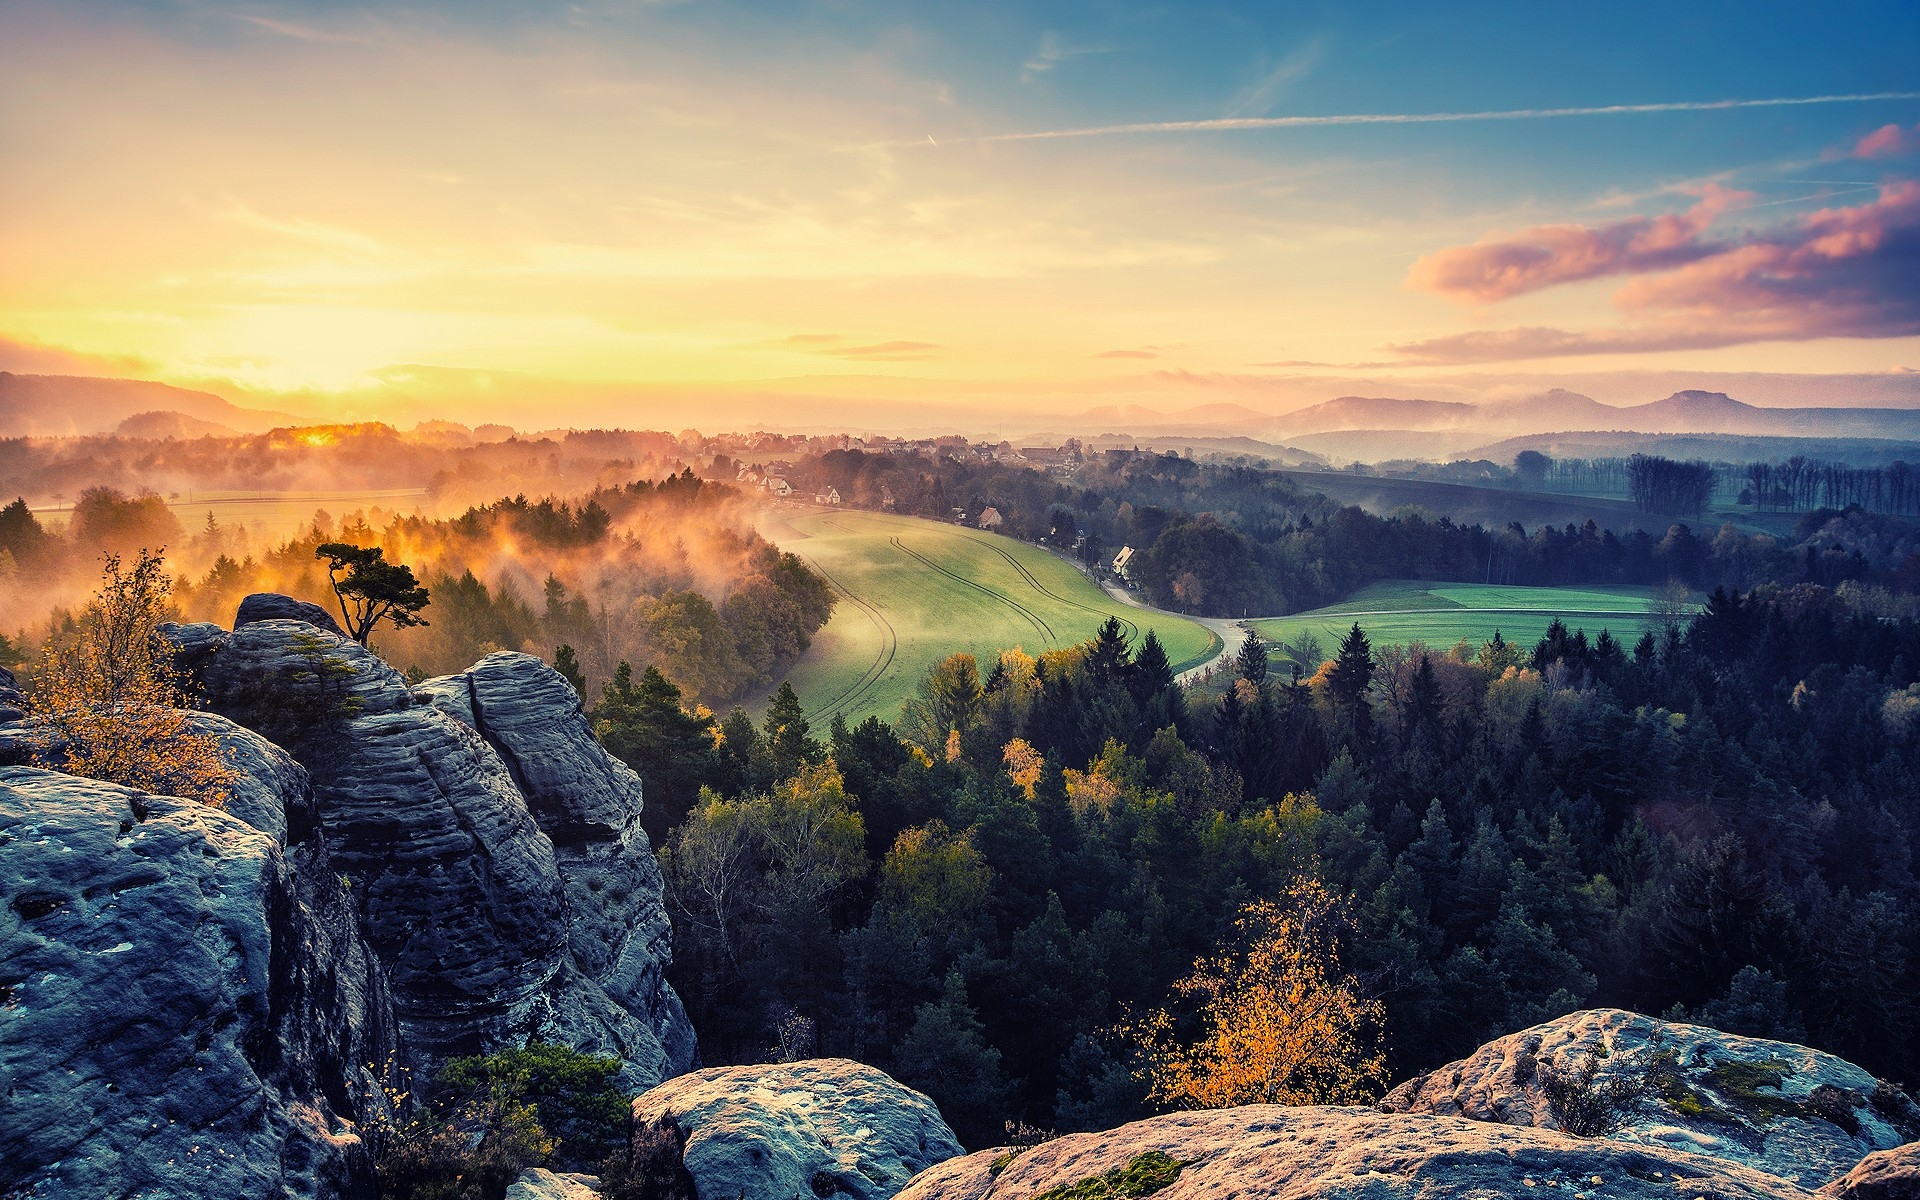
1132 628
882 661
1039 624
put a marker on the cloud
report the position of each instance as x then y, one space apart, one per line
1838 272
1126 354
1051 53
835 345
1886 142
1500 268
1221 124
1507 345
1259 96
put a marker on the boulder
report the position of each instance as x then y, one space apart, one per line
185 1008
1883 1175
1780 1107
542 1184
1264 1152
194 645
818 1127
272 606
459 889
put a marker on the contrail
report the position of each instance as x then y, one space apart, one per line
1509 114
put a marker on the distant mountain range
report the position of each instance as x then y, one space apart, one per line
66 405
1379 427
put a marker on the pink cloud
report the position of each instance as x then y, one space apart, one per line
1499 268
1837 272
1885 142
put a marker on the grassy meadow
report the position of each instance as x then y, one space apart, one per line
1401 612
913 591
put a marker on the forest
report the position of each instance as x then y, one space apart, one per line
985 897
668 572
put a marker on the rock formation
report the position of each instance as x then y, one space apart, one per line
185 1004
1262 1152
1783 1108
820 1127
272 606
497 860
1882 1175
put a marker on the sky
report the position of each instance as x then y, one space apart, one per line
638 213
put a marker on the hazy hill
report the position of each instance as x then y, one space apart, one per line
1727 447
55 405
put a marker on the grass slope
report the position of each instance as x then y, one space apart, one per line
911 592
1402 612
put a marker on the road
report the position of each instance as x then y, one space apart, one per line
1231 633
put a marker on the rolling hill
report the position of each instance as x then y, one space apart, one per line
66 405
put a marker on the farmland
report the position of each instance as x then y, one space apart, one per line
912 592
1401 612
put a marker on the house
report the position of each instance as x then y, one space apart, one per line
1121 560
990 518
886 496
779 486
830 496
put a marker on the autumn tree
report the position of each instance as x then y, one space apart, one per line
1279 1020
110 704
371 589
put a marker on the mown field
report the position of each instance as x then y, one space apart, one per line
912 592
1401 612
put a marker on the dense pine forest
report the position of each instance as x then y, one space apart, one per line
1718 822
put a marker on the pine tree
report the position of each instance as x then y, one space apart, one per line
1352 672
787 734
1252 659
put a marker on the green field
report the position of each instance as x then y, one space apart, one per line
912 592
1402 612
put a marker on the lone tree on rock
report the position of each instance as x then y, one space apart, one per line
373 589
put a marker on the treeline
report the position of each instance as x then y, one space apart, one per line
456 465
1801 483
668 572
1718 821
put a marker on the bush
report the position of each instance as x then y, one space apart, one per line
1585 1105
651 1167
572 1094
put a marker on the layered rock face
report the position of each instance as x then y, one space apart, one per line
1262 1152
1883 1175
185 1005
822 1127
1783 1108
505 901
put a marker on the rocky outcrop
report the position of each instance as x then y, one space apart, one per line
272 606
588 804
1882 1175
1262 1152
820 1127
185 1005
503 880
1780 1107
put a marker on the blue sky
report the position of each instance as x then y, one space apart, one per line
306 198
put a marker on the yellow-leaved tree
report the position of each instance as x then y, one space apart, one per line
1278 1020
109 704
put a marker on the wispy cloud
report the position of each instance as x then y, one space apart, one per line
1259 96
1050 53
1502 267
1219 124
1127 354
839 345
1887 142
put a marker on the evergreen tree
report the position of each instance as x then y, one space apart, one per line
672 749
946 1056
787 734
1347 683
568 665
1252 659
